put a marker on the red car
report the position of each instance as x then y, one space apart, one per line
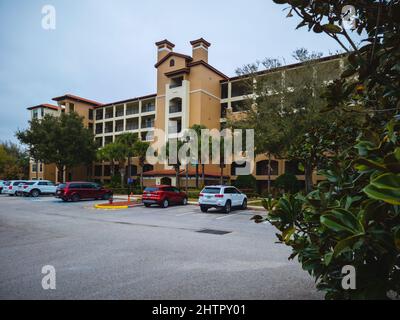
163 196
78 190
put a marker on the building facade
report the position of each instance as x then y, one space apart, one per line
189 91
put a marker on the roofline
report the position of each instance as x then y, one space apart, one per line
201 62
129 100
200 40
165 41
44 105
173 54
78 99
176 72
288 66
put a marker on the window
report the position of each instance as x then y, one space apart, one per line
149 106
262 168
147 167
211 190
98 170
99 128
90 127
35 114
239 88
224 90
175 105
176 82
240 105
99 114
42 112
99 142
41 167
90 114
224 106
171 62
132 108
107 170
71 107
34 167
42 183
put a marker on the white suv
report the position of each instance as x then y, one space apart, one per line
11 187
35 188
222 197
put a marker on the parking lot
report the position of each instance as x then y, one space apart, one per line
142 253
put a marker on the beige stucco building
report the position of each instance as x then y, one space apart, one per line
188 91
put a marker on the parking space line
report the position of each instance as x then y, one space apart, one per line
228 215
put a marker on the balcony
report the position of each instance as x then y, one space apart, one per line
175 105
109 113
149 107
132 124
132 108
175 126
224 107
99 128
176 82
108 127
119 126
119 111
99 114
148 124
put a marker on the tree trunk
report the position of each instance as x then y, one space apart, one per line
61 170
197 175
37 170
203 174
308 172
112 168
269 174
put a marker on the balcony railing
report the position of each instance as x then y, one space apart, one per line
149 108
119 113
130 111
175 109
148 124
132 127
119 128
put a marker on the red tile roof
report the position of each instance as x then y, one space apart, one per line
173 54
78 99
45 105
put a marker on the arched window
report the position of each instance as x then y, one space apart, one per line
262 168
175 105
293 167
171 62
147 167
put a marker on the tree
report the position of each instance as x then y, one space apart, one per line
140 150
197 128
14 162
127 142
61 140
353 217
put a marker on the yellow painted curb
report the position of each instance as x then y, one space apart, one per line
107 207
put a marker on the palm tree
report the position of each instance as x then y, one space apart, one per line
198 128
176 165
128 140
140 150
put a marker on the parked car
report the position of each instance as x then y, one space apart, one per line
163 196
35 188
2 185
222 197
78 190
11 187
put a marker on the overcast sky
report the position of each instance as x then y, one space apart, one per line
104 50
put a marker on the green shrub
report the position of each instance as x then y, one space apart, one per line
288 182
246 182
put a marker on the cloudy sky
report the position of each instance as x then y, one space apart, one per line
104 49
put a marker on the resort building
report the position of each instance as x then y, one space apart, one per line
188 91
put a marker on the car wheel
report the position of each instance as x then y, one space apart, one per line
75 198
184 201
35 193
244 204
64 199
203 208
147 205
107 196
165 203
227 207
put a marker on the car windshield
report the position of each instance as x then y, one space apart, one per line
151 189
62 186
211 190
